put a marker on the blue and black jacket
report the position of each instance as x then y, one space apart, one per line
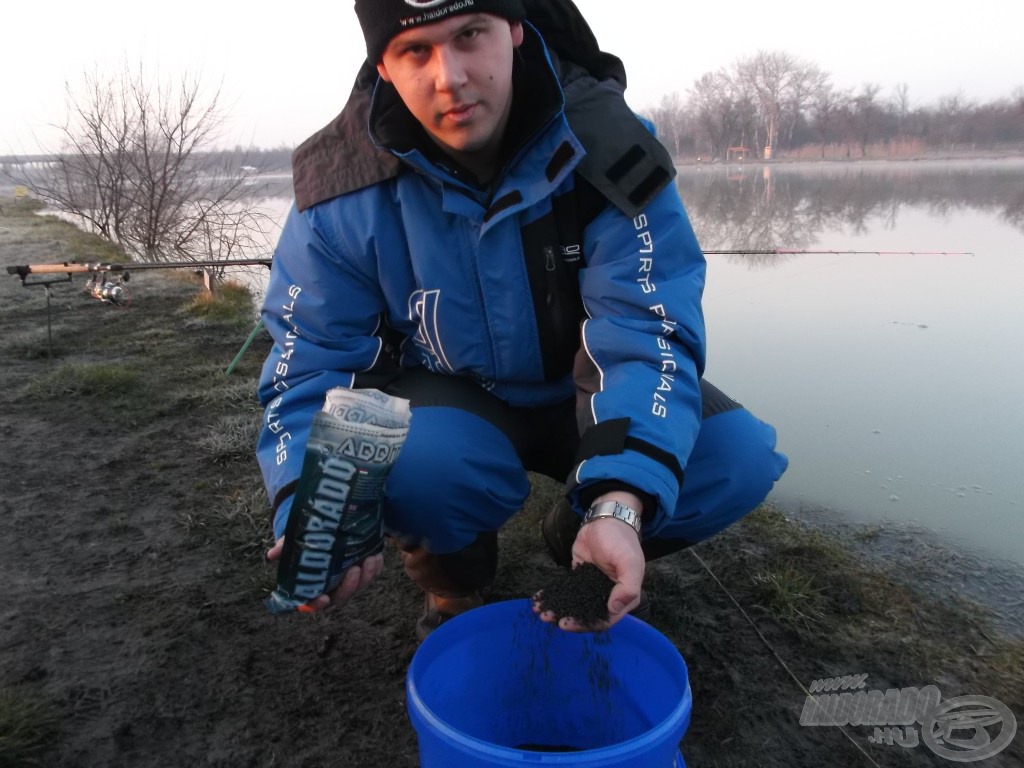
575 271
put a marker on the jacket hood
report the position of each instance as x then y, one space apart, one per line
342 157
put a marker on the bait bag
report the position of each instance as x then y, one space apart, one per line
336 519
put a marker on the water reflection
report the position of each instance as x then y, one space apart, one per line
890 378
746 207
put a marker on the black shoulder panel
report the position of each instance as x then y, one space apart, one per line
624 160
340 157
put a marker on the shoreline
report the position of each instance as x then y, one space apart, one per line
879 159
927 558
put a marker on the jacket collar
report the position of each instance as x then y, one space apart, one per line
362 145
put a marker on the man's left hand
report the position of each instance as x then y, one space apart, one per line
614 547
356 578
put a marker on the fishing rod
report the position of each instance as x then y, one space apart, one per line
113 290
75 267
799 252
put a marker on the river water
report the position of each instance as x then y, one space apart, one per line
894 379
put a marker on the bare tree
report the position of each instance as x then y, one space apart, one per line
825 105
1017 101
716 110
88 177
954 111
901 106
136 165
774 77
865 115
748 125
805 81
670 119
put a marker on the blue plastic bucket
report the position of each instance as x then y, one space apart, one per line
497 686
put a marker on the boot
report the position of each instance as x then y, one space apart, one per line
451 583
437 610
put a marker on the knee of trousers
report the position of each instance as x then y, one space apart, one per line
456 477
733 466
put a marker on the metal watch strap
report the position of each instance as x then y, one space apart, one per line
614 509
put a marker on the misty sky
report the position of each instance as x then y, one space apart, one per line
285 69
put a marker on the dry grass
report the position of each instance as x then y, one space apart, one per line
229 302
232 437
27 726
83 380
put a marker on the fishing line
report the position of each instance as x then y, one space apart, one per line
799 252
775 653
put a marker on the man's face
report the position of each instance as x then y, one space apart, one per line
455 77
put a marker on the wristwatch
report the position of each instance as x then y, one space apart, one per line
614 509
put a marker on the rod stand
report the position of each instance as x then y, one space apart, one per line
28 281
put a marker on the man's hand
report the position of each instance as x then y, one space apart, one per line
356 578
614 547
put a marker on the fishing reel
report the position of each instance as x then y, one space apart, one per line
109 290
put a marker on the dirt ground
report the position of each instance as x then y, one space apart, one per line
132 632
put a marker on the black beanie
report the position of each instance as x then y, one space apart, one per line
381 20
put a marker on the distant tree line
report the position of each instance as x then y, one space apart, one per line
773 105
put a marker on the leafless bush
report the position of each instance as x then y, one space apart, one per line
136 164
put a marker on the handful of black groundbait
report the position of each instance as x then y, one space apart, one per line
581 593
